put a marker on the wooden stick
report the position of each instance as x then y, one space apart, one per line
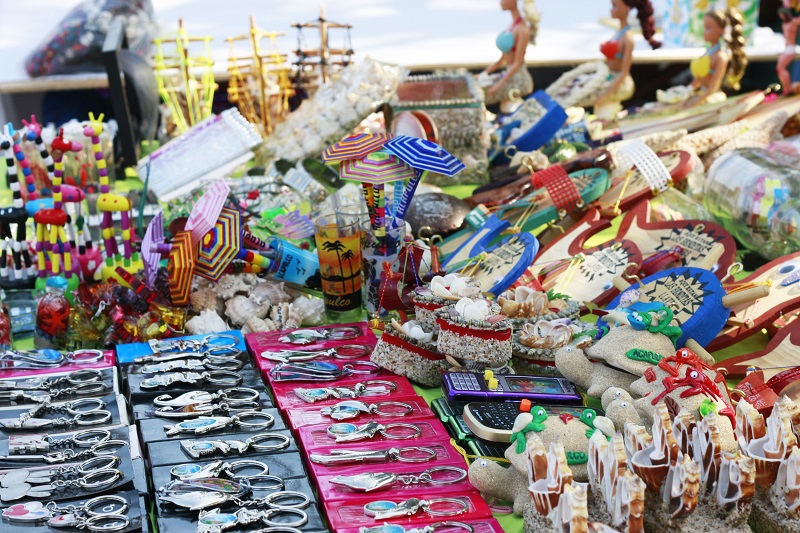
701 352
712 257
620 284
746 296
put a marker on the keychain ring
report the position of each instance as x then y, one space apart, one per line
108 447
104 500
86 388
351 368
402 435
209 341
223 378
351 351
92 418
277 482
302 517
80 377
304 502
102 462
256 440
227 363
247 420
235 467
81 357
428 474
407 409
107 522
430 454
102 482
343 333
236 395
427 506
280 529
450 523
87 438
76 406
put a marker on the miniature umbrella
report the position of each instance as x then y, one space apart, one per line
422 155
152 248
181 268
355 146
206 210
222 244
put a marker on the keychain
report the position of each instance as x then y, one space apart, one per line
38 359
215 521
207 355
403 455
372 481
83 383
104 448
365 388
351 432
233 396
224 378
206 409
320 371
202 493
353 408
383 509
19 484
303 337
228 363
93 416
44 477
208 343
203 448
347 351
205 424
189 471
92 515
431 528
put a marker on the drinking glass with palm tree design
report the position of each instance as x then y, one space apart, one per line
339 249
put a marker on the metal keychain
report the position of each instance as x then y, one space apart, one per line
205 424
101 449
431 528
232 396
403 455
215 521
38 359
82 417
353 408
372 387
372 481
206 409
228 363
203 448
384 509
80 383
199 494
188 471
207 343
96 479
351 432
82 439
346 351
221 378
304 337
321 371
207 355
82 516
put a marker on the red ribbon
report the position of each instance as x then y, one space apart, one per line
394 340
502 335
428 306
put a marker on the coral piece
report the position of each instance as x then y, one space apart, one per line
208 321
505 483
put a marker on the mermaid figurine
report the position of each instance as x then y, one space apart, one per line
605 85
514 81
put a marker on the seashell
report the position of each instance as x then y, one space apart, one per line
596 466
268 293
769 450
239 308
636 439
208 321
206 298
750 424
536 452
472 309
546 333
787 484
605 426
573 511
546 492
256 325
628 511
736 484
683 427
310 310
615 464
653 462
682 487
453 287
231 284
707 448
415 331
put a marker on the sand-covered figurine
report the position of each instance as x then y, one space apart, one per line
410 350
506 483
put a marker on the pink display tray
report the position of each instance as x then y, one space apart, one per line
286 399
108 360
483 525
350 513
330 492
445 454
311 415
313 437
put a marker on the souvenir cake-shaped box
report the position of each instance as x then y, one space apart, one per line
534 344
474 331
410 351
441 291
524 305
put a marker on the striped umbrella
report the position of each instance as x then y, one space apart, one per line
206 210
422 155
181 268
220 245
355 146
152 248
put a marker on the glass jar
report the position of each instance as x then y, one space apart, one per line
52 315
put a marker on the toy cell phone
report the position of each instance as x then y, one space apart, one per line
461 388
493 421
484 448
